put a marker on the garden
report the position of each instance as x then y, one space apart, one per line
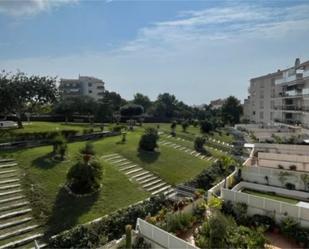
55 177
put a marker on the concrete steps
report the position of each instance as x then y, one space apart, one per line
15 213
18 232
22 241
8 193
11 199
9 186
12 206
15 222
148 181
9 181
4 172
9 165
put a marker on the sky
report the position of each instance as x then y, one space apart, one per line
196 50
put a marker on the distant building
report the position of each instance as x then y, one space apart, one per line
216 104
83 86
280 97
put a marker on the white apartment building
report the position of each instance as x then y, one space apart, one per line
280 97
83 86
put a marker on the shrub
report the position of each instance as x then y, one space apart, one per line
140 243
59 146
118 128
205 126
85 177
112 226
148 141
88 149
199 143
179 222
185 125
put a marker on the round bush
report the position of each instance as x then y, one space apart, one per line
149 140
85 177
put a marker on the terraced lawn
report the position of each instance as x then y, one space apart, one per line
43 179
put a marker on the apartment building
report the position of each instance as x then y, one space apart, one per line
83 86
216 104
280 97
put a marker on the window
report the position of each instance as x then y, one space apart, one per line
90 84
262 104
261 115
90 91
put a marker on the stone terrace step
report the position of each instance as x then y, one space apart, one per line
124 164
129 167
15 222
18 232
118 161
9 181
161 190
9 165
152 183
15 205
150 178
21 242
8 171
113 158
156 186
5 187
15 213
133 171
15 198
109 155
10 192
144 177
141 174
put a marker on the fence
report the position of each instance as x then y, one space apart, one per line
263 206
225 183
160 238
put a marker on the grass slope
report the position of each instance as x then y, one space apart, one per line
270 196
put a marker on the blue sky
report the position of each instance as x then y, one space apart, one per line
197 50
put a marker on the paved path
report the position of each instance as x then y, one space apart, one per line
17 226
147 180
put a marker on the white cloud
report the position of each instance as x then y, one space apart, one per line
29 7
225 23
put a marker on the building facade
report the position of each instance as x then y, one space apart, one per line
280 97
83 86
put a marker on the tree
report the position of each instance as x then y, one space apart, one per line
86 175
143 100
206 126
199 143
185 125
130 110
20 93
165 106
108 105
149 139
231 111
81 105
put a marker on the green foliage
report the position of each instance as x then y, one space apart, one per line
59 146
131 110
179 222
118 128
231 111
185 124
111 226
206 126
148 141
199 143
20 93
215 203
85 177
88 149
211 175
140 243
143 100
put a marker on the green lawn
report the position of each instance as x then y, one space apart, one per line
271 196
192 131
56 210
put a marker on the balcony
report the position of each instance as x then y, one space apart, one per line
294 79
289 108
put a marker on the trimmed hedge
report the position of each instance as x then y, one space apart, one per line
111 226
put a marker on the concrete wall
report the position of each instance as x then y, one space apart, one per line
300 195
160 238
258 174
263 206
